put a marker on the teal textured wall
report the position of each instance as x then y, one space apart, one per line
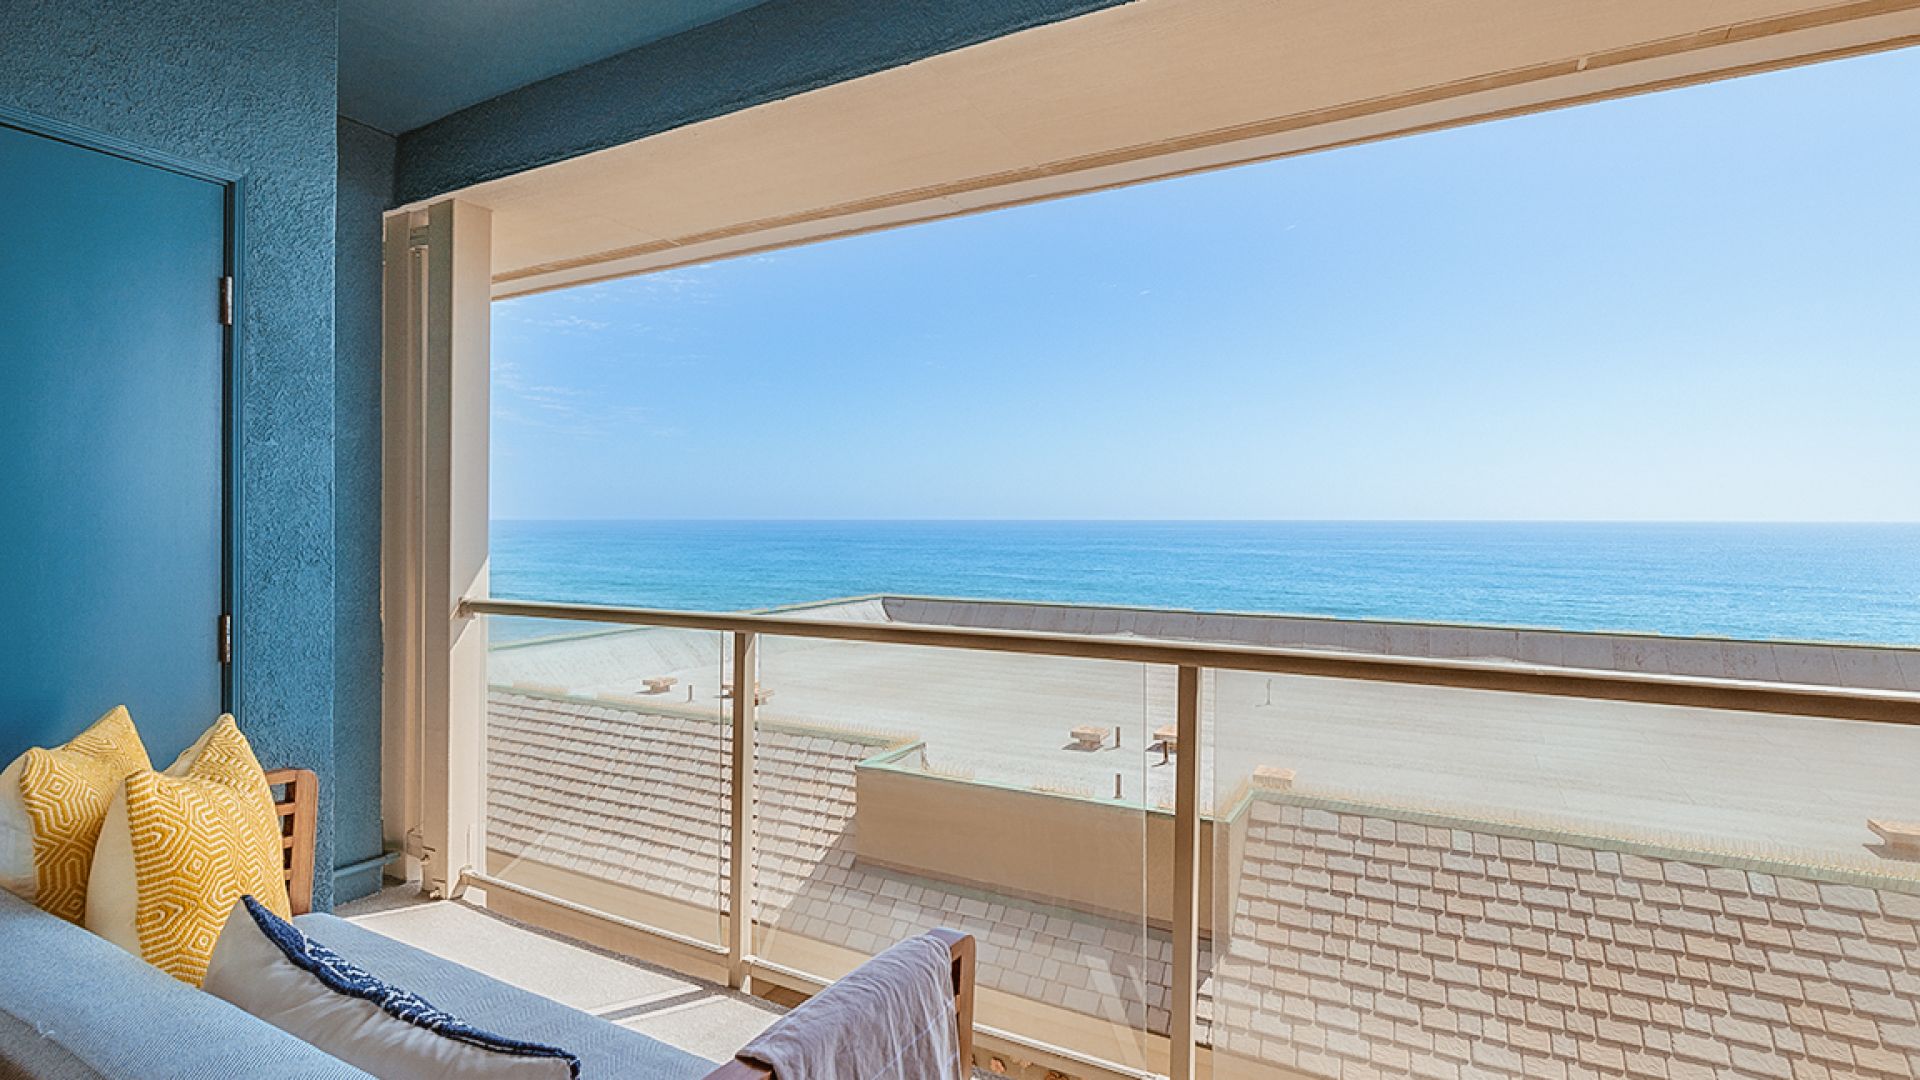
774 50
365 189
248 88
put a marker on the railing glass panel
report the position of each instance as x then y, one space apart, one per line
1416 881
608 771
1021 799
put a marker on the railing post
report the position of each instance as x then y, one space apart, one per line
1181 1034
746 693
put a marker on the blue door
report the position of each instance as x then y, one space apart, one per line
112 445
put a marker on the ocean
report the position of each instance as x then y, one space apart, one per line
1824 582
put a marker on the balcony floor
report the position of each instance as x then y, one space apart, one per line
698 1017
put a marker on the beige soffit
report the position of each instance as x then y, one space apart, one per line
1148 89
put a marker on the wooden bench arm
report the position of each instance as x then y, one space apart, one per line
961 948
299 812
962 951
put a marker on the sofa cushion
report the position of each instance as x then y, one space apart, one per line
273 971
66 792
75 1005
605 1049
17 874
179 848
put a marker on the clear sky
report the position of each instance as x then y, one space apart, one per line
1696 305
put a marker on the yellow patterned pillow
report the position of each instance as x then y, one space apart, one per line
180 848
66 793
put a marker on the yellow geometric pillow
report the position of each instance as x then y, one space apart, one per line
180 848
67 792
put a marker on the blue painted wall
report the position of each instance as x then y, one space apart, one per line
774 50
249 87
400 73
365 189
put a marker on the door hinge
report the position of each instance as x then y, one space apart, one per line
225 645
226 300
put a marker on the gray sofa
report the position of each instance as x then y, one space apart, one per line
74 1006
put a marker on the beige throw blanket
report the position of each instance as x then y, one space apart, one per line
890 1020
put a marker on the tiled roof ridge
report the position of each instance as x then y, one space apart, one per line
1674 845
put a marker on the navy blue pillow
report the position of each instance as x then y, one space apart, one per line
341 977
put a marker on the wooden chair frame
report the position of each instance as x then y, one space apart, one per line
298 805
299 808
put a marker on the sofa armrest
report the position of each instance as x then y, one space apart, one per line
961 948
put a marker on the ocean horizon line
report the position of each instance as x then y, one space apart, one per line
1189 521
1807 581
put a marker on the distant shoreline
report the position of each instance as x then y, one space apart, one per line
1839 582
1625 523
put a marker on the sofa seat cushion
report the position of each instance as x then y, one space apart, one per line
76 1005
605 1049
271 969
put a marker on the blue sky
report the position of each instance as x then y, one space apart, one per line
1698 305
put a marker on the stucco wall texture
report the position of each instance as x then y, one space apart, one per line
249 88
365 189
1369 946
770 51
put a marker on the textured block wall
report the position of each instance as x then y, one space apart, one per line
365 190
1366 946
767 52
248 88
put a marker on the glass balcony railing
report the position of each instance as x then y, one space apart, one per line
1425 881
608 773
1192 859
902 787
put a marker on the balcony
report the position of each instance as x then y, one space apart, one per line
1300 847
1189 844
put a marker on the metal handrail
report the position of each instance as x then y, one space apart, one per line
1735 695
